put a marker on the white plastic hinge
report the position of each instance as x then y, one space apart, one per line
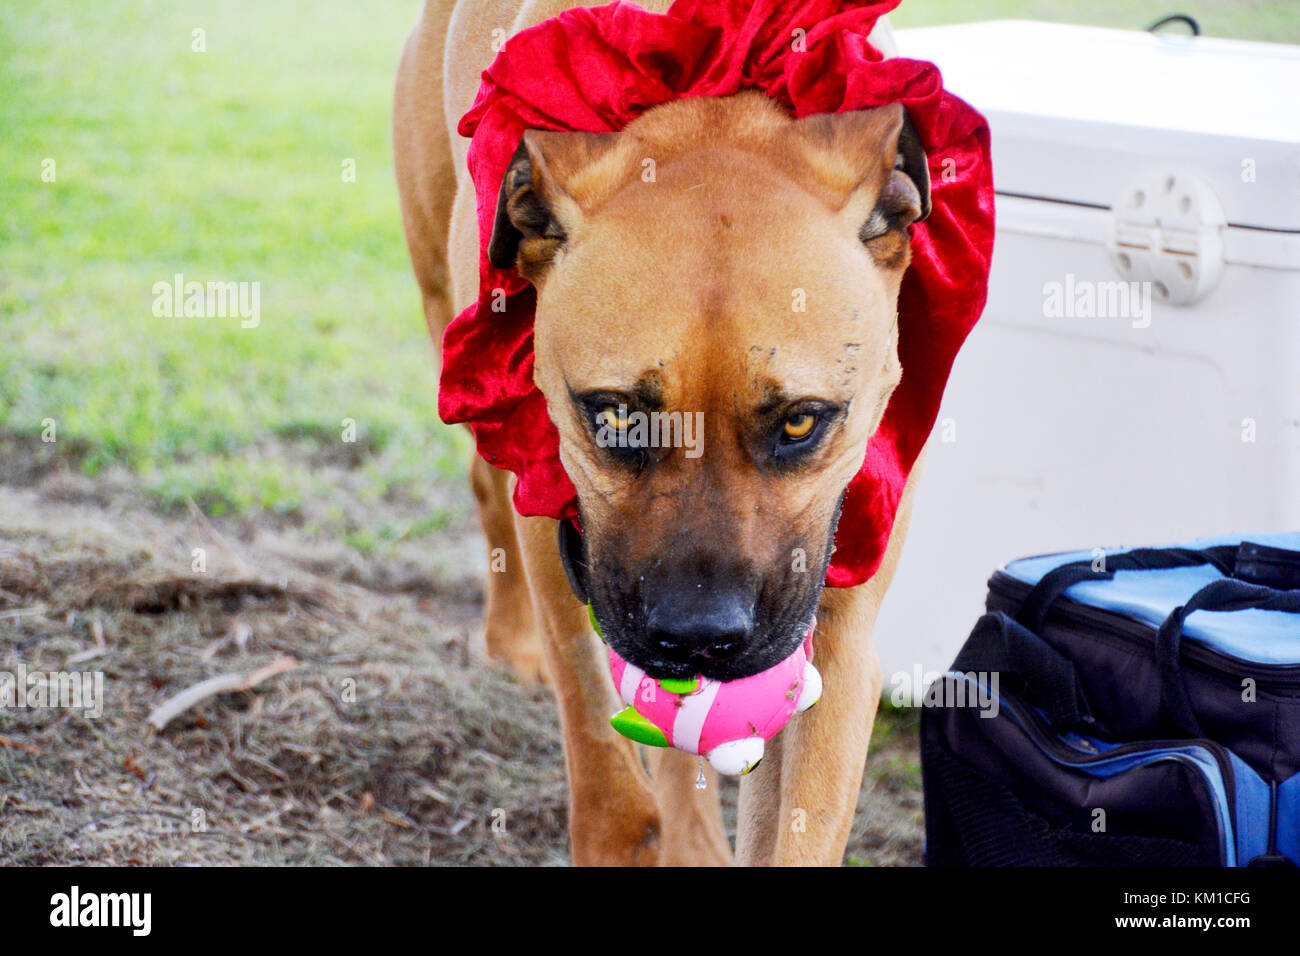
1167 229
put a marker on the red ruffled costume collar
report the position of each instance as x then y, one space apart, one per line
597 69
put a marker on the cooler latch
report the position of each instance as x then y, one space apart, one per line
1167 229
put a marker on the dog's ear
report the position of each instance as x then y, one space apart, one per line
912 165
551 177
874 159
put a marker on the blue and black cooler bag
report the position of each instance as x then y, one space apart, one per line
1124 708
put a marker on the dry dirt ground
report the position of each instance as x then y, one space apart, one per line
388 742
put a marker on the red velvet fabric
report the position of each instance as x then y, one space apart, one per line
595 70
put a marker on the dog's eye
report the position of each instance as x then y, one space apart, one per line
799 433
619 431
798 427
613 417
803 429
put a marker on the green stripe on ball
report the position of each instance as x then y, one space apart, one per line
635 727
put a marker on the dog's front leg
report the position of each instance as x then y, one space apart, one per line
692 818
797 807
613 819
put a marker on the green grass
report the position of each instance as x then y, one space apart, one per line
224 165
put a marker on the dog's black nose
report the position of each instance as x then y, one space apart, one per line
715 626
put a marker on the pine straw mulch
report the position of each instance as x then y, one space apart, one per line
389 742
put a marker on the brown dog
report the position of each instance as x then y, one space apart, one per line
688 557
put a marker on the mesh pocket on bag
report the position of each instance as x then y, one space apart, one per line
973 820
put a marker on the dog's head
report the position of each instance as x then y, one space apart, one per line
716 337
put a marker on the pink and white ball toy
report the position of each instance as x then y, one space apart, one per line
728 722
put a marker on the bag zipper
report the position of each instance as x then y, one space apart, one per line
1074 755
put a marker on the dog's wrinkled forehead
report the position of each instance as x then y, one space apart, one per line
723 233
751 294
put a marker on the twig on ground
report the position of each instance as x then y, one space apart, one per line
223 684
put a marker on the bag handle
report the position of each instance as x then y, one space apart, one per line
1218 596
1000 644
1034 609
1271 566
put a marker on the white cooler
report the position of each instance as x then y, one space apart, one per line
1079 415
